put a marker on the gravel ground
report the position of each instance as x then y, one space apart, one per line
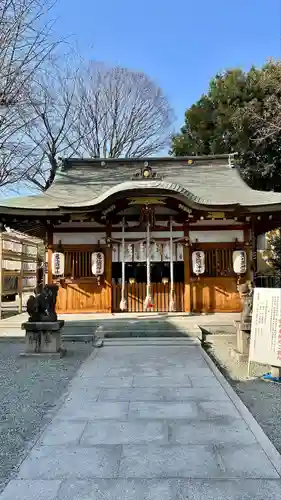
262 398
29 391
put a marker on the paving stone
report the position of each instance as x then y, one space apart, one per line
184 371
200 381
158 422
108 432
200 432
169 462
245 489
246 461
63 432
87 392
57 462
117 490
176 381
99 410
224 409
194 394
113 382
134 370
165 410
37 489
132 394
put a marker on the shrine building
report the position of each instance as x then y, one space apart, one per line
149 234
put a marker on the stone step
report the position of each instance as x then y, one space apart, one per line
169 341
144 334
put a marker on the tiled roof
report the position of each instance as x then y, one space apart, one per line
208 181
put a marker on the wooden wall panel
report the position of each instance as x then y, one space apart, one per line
83 296
215 295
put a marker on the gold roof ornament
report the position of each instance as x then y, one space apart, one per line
146 201
216 215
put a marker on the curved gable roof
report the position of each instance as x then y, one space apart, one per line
209 181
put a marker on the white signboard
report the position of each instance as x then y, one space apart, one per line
265 341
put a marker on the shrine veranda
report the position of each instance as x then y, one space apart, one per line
150 234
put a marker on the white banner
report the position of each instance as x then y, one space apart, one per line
265 341
115 253
156 252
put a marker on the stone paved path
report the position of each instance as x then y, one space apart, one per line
149 422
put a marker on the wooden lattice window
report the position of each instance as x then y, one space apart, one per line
78 264
218 262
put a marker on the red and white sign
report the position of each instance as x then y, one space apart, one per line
265 341
97 263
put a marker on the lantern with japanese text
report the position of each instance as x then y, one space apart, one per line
58 264
239 259
198 262
98 265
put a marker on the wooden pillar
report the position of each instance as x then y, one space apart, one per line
50 253
248 250
20 288
187 274
254 252
108 270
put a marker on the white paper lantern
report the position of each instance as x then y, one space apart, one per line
239 261
97 263
198 262
58 264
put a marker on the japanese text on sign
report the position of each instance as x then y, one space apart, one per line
265 342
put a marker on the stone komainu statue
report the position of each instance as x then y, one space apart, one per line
42 307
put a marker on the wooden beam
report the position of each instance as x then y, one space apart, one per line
108 270
248 250
50 254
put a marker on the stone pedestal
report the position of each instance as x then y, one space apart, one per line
43 338
241 353
275 371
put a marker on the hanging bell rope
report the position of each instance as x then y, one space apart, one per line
172 291
148 299
123 302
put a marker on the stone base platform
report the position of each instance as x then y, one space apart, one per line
43 338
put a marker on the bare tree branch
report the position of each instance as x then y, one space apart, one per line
25 45
122 113
55 115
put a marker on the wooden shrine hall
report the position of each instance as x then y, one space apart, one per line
150 234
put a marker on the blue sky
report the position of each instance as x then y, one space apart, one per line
181 44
